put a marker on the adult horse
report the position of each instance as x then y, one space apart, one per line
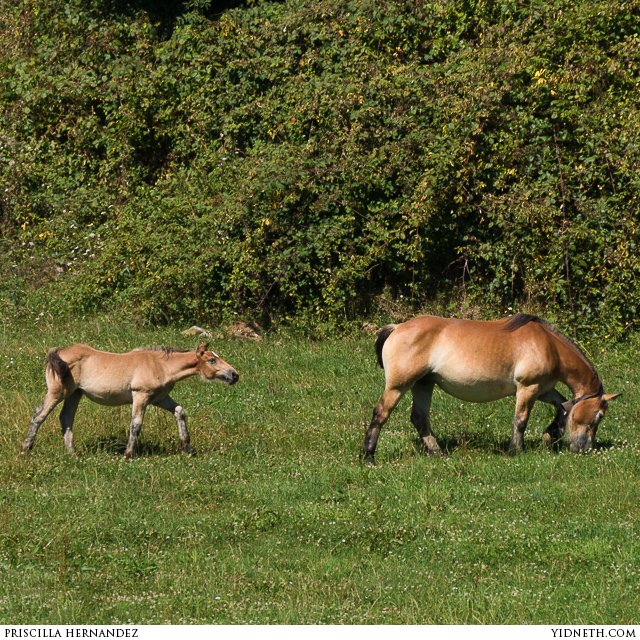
139 378
484 361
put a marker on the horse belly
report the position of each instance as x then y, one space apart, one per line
471 390
472 369
110 397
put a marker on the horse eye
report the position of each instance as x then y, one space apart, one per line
212 360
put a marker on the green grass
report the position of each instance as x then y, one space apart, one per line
275 520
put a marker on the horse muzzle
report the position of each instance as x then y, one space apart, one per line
230 377
581 443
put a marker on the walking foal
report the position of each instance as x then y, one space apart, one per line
139 378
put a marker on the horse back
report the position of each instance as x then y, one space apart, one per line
104 376
470 353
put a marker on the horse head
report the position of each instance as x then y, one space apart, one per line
212 367
583 417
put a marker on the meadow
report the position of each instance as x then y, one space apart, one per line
276 520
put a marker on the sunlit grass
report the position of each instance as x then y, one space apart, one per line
275 520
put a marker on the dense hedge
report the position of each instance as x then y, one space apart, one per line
308 160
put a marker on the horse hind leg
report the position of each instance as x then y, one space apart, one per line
51 400
170 405
422 394
385 405
67 416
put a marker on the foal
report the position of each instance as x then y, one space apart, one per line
140 378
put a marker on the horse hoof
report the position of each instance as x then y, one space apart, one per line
369 460
431 446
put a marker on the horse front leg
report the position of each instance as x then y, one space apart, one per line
554 431
140 402
49 403
525 399
422 393
386 404
169 404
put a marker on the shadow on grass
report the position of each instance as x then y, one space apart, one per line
452 444
460 444
114 446
604 445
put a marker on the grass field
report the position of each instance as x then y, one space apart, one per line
275 520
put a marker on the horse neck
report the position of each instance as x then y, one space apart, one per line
575 370
180 365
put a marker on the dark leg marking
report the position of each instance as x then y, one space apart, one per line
422 394
387 403
67 416
170 405
46 407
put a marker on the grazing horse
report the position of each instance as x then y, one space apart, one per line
484 361
139 378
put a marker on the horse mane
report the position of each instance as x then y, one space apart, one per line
167 351
521 319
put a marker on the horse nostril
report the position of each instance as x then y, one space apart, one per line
234 377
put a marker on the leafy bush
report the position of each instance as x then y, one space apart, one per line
304 161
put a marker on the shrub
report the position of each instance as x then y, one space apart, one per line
304 161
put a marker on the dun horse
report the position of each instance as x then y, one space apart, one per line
140 378
484 361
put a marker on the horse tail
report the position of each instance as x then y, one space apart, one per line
383 334
56 364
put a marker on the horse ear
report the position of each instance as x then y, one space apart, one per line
607 397
202 348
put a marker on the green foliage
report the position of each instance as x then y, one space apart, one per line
300 161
